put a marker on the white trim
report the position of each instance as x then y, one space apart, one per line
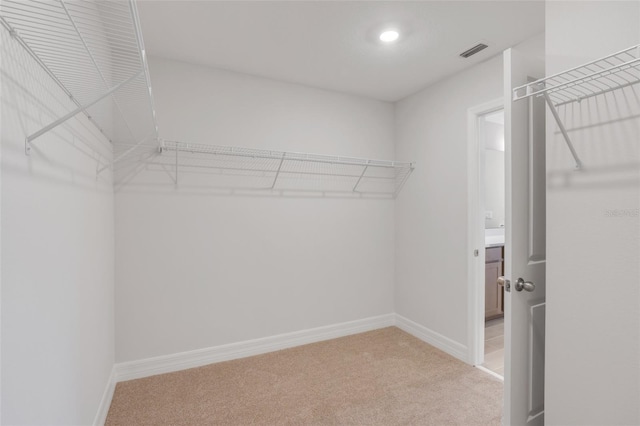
492 373
429 336
475 233
105 402
199 357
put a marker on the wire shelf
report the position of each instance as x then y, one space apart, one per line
604 75
94 51
282 171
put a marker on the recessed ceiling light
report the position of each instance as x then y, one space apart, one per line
389 36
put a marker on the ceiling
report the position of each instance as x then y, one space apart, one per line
334 44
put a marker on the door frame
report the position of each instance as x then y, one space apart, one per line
475 234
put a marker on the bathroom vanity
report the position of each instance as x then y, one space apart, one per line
494 293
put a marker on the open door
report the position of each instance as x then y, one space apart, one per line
524 246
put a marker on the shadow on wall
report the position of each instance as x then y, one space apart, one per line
31 101
604 129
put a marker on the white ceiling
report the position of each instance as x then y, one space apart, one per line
333 44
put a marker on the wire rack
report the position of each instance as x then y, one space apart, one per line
94 51
281 171
604 75
613 72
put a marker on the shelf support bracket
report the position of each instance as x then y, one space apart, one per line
30 138
177 165
360 178
275 179
563 130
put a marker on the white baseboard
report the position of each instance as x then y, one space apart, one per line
105 402
429 336
199 357
491 373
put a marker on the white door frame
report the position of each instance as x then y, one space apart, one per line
475 234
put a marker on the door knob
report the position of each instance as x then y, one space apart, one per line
504 283
524 285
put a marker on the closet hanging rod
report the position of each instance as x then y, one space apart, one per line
277 155
268 170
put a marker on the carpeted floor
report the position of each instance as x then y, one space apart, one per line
382 377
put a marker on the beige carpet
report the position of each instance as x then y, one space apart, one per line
382 377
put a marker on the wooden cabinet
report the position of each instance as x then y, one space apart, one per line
493 294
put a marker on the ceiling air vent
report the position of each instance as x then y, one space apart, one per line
475 49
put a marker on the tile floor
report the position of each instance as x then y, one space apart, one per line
494 345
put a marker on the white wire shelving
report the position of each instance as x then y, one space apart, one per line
285 171
94 51
613 72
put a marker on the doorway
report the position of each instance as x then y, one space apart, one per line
487 236
492 207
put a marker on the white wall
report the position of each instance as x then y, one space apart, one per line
494 188
494 168
198 268
431 212
593 229
57 254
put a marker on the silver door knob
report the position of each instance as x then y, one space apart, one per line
524 285
504 283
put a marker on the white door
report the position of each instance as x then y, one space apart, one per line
524 246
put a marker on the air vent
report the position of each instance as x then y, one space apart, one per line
475 49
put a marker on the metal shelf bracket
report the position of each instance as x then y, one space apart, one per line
81 108
361 176
567 139
275 179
